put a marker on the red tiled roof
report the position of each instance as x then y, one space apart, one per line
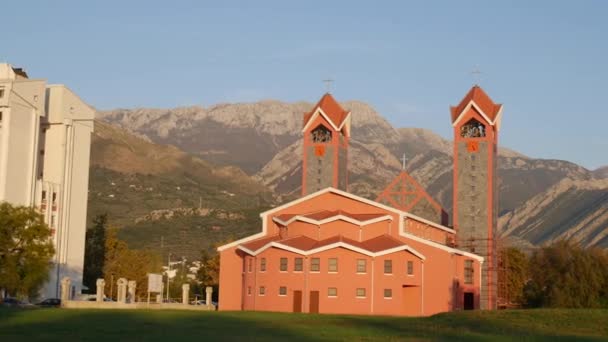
325 214
334 111
259 243
285 217
481 99
305 243
381 243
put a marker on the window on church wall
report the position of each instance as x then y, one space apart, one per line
473 129
283 291
320 135
332 292
283 265
388 266
410 267
468 271
262 290
332 265
315 265
263 265
361 265
298 265
250 266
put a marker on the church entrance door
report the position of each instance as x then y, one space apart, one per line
469 301
314 302
297 301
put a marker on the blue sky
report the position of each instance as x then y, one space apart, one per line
546 61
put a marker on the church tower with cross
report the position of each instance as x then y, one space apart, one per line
476 121
326 132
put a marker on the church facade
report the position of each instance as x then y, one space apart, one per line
334 252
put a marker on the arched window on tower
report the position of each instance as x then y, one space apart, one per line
473 129
320 135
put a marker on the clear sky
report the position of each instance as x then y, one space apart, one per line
546 61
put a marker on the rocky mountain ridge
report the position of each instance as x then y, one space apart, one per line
264 140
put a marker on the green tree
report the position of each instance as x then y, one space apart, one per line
131 264
567 275
25 250
94 252
513 274
209 272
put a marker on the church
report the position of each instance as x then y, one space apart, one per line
331 251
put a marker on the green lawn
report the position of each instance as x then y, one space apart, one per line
171 326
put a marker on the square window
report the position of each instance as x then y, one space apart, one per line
283 291
262 290
263 265
298 266
410 267
315 265
388 293
361 265
361 292
332 292
332 266
388 266
283 265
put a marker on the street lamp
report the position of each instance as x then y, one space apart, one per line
168 269
111 285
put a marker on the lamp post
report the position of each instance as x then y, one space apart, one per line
168 269
111 285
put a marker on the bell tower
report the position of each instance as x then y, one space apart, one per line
476 121
325 156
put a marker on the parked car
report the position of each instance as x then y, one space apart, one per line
105 299
50 303
203 302
15 303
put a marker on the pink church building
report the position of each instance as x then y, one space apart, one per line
334 252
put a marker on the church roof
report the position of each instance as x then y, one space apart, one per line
482 100
324 216
405 193
304 243
335 113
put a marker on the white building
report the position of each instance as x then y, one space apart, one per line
45 140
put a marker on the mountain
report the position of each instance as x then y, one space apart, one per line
569 209
156 192
264 140
601 172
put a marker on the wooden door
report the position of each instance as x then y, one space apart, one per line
314 302
297 301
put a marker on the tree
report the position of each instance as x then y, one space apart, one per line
513 273
131 264
567 275
209 272
94 252
25 250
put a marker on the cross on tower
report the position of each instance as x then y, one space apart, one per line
328 83
403 159
476 73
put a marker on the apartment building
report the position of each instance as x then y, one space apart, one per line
45 139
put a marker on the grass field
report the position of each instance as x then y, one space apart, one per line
171 326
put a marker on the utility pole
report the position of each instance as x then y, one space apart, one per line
168 269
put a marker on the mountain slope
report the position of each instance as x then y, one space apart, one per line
264 139
568 210
155 192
